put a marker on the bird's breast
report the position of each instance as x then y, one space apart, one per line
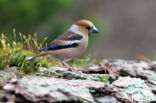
83 45
71 53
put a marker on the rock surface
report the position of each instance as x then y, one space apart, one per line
111 81
39 89
8 73
132 90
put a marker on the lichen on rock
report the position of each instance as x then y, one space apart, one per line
53 89
133 89
111 81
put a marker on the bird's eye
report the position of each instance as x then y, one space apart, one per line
89 28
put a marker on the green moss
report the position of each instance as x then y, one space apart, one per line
83 61
15 54
76 75
104 79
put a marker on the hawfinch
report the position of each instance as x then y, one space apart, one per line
71 44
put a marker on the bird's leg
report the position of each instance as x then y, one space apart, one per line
66 65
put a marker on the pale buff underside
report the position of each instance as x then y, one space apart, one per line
70 53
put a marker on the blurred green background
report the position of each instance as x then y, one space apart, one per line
47 18
127 28
30 16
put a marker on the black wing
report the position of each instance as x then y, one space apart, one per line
56 47
67 40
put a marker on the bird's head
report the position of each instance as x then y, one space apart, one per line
84 27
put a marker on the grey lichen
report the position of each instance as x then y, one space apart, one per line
133 89
77 74
60 89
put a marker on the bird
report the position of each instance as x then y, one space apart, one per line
71 44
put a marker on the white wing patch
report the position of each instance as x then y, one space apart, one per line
73 41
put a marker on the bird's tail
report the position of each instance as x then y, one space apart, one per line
37 55
31 58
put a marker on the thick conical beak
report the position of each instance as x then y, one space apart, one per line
94 30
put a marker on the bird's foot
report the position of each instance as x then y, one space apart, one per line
66 65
